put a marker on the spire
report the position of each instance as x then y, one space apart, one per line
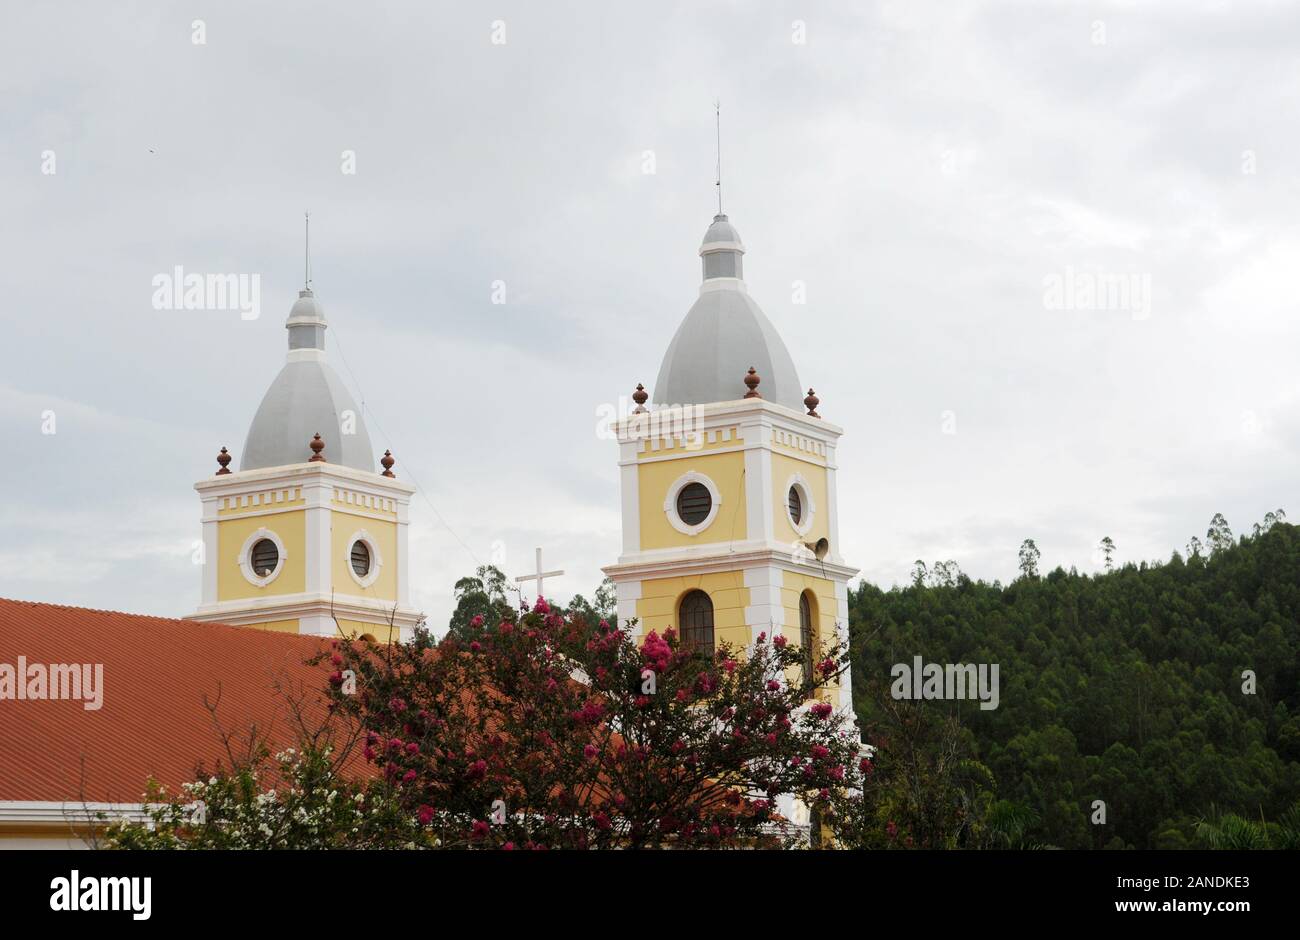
306 323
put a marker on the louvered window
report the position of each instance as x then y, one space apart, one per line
694 503
360 558
795 503
264 557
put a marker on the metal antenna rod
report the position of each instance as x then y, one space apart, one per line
717 108
306 264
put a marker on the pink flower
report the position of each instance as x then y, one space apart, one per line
479 830
369 752
656 652
822 710
601 821
475 646
590 751
729 666
412 748
408 776
476 620
773 685
425 814
779 642
397 704
336 659
541 606
478 770
509 846
762 638
866 766
819 752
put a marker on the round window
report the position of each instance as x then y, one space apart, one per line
360 558
263 557
694 503
795 503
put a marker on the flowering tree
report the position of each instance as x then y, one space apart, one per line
294 800
545 733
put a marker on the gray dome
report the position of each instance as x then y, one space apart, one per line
306 398
724 333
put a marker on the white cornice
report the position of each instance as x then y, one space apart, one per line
37 812
754 411
301 474
664 564
291 606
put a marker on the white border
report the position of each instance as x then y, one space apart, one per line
670 503
245 557
376 562
805 500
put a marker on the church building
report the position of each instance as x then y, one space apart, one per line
307 536
730 510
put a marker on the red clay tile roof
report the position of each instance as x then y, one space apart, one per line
153 721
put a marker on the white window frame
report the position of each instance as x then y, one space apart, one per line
376 562
805 501
670 503
245 558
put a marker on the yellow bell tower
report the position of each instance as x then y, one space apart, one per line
730 509
307 536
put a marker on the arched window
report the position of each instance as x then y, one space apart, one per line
697 622
807 636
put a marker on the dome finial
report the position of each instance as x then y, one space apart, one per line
387 460
640 396
811 403
223 458
317 445
751 382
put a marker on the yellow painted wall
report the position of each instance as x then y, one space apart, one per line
291 527
382 632
657 606
277 626
343 526
689 440
270 501
727 471
783 468
824 606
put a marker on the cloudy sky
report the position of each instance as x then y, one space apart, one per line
948 181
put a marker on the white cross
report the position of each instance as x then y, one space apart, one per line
540 577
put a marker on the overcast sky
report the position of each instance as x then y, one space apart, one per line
930 172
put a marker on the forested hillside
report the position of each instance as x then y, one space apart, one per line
1124 687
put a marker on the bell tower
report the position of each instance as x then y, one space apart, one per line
307 536
730 508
